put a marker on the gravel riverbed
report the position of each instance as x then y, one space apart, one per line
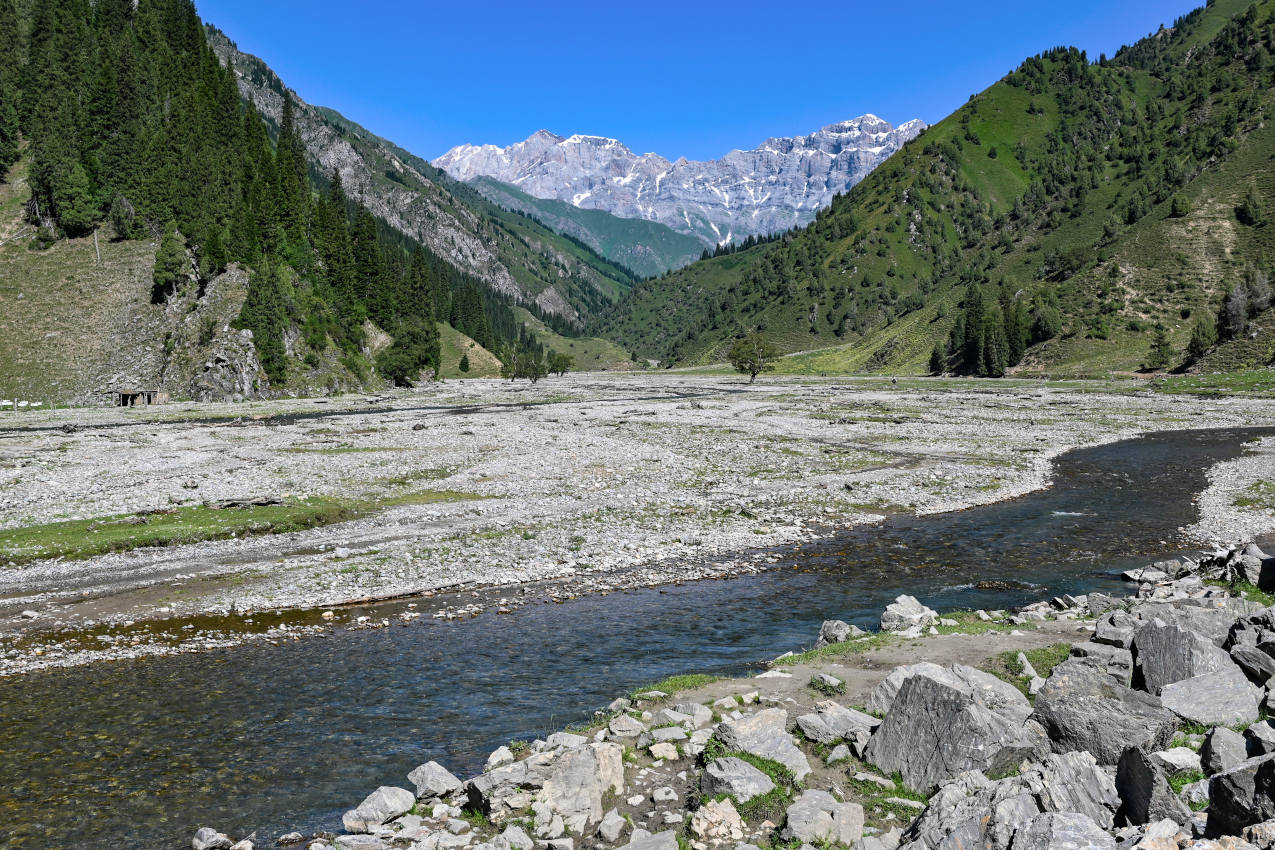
589 484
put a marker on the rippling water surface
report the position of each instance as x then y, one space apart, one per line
138 754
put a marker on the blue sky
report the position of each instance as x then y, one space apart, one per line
691 79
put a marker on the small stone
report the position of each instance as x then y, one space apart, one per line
664 794
664 751
206 838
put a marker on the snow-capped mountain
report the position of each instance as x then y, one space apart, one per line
780 184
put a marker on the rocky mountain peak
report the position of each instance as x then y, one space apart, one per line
780 184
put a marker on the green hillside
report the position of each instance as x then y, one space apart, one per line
1073 208
589 354
647 248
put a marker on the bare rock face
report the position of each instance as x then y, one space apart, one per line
1063 831
1145 795
1242 796
973 811
1083 708
941 726
1164 654
779 185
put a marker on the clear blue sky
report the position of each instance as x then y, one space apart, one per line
691 79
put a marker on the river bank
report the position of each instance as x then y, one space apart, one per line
586 485
1093 721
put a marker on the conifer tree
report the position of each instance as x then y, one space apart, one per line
171 265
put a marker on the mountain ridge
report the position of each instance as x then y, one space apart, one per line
778 185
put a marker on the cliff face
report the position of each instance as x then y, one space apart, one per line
780 184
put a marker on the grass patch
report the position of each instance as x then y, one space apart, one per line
828 689
1042 659
1181 780
1259 494
1246 590
673 684
87 538
968 623
839 650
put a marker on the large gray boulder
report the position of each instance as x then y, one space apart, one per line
973 811
581 778
736 778
832 722
1225 697
1081 708
382 805
816 816
765 734
1164 654
1222 750
1145 795
904 613
882 696
1211 617
1062 831
1242 796
1112 660
511 786
836 631
1116 628
940 726
432 780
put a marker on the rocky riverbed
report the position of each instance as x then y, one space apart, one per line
1097 721
589 483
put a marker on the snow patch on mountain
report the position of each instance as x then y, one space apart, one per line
781 183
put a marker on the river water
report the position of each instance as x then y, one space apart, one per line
139 754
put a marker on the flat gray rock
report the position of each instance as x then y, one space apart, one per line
1145 795
939 727
382 805
832 722
765 734
1112 660
659 841
1222 750
1225 697
1116 628
1062 831
1259 666
736 778
432 780
1083 709
1164 654
624 726
816 816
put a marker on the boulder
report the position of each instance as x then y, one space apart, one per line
736 778
973 811
939 726
1242 796
432 780
1145 795
659 841
1080 708
580 779
1259 739
1222 750
836 631
882 696
816 816
565 741
1211 617
1116 628
907 612
382 805
1177 760
765 734
1224 697
508 787
624 726
717 821
1112 660
517 838
1259 666
832 722
206 838
1164 654
1062 831
611 827
700 715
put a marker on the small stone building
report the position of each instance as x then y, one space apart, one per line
139 398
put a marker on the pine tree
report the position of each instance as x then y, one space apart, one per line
171 265
1161 351
1203 337
264 313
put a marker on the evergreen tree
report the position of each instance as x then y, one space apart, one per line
264 313
1161 351
1250 210
171 265
1203 337
938 360
464 362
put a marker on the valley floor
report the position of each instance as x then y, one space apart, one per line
592 482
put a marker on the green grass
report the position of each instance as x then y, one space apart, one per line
1043 659
453 345
590 354
1246 590
819 686
1179 781
87 538
874 640
675 684
1250 382
1260 494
